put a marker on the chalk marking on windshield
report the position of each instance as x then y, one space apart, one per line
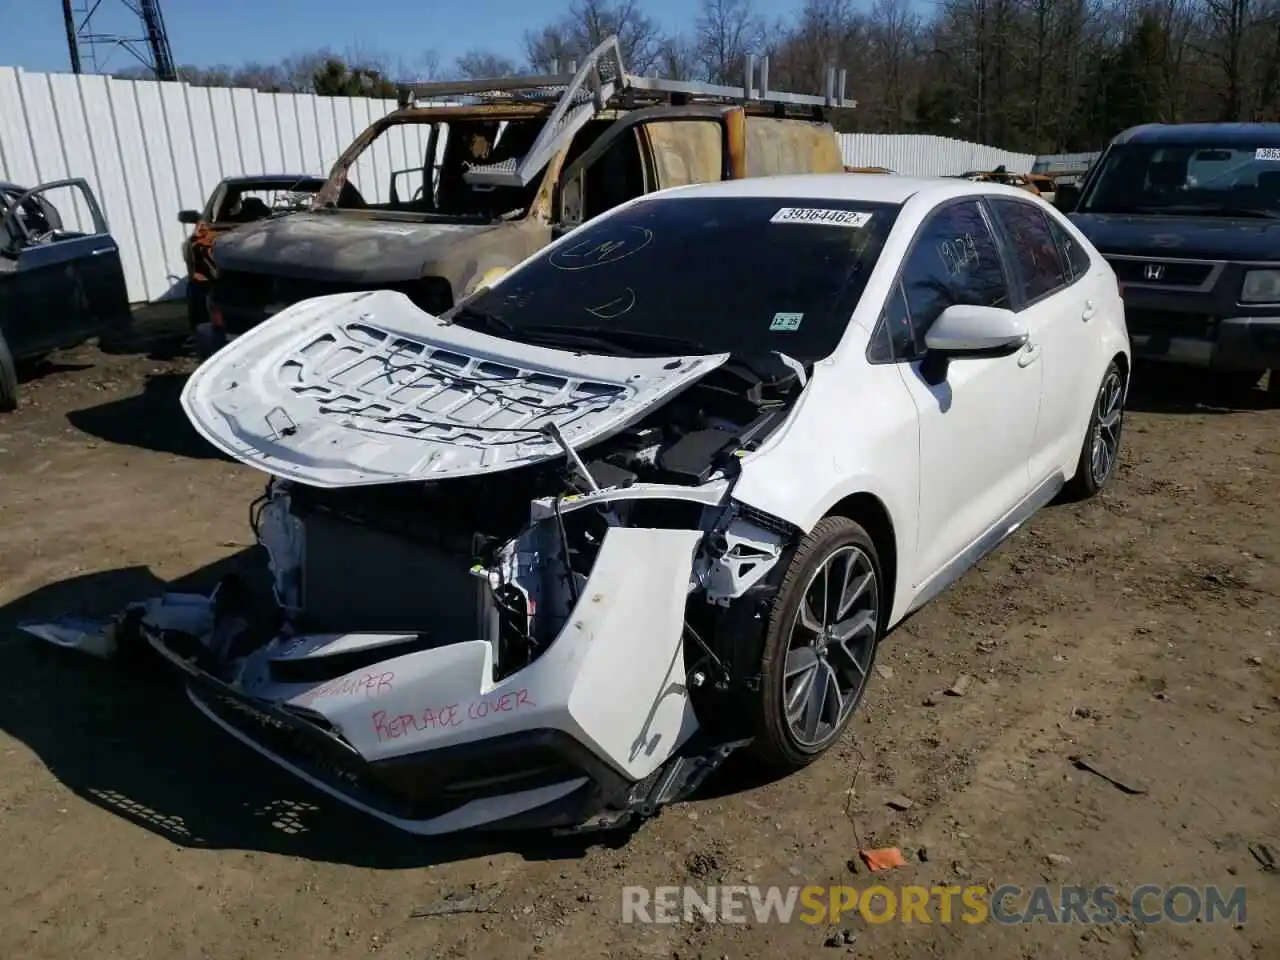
619 305
594 252
786 321
853 219
1267 153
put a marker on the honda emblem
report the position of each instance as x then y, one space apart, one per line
1153 271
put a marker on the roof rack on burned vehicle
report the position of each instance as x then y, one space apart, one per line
599 83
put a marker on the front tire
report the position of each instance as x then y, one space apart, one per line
1101 449
820 644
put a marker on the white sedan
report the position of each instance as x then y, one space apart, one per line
656 494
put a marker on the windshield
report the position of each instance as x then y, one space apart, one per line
751 276
1238 180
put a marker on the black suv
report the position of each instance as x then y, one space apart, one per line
1188 216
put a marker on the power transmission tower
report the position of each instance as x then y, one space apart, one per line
140 31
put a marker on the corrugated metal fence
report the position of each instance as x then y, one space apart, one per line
925 156
150 149
1058 162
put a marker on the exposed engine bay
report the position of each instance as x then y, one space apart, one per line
507 554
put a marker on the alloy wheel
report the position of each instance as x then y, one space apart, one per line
831 645
1108 422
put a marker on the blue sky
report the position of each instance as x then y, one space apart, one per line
206 32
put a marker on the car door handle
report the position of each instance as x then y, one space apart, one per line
1029 355
1089 311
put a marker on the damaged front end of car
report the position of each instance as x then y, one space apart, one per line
511 585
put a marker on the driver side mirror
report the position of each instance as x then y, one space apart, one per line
1066 197
189 217
970 332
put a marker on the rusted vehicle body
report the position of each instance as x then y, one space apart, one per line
493 180
1020 180
234 202
1044 184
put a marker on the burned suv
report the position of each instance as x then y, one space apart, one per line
1188 216
469 178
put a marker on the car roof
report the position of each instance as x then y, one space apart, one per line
869 187
1202 134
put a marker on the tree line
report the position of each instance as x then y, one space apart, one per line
1039 76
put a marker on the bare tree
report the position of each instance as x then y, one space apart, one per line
725 31
586 25
893 37
677 59
477 64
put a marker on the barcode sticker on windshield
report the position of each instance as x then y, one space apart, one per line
1267 153
831 218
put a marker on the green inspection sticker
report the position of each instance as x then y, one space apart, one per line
786 321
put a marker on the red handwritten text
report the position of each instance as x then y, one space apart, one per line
450 715
370 684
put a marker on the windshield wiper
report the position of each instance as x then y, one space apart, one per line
491 322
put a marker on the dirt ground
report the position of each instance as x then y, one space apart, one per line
1140 629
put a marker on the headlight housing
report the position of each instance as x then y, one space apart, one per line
1261 286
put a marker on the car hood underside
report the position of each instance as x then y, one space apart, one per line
365 388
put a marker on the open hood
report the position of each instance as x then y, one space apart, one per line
365 388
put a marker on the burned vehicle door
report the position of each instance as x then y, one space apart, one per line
58 286
647 150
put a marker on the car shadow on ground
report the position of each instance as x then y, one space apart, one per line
123 736
158 330
151 420
1165 388
29 371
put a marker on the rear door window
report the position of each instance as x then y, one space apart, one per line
1040 264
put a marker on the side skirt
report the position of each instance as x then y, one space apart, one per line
968 558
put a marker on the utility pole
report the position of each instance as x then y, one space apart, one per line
69 18
84 42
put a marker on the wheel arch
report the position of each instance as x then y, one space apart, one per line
1121 360
869 510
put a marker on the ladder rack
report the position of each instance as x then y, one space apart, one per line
600 83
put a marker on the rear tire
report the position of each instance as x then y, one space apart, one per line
8 379
820 645
1101 448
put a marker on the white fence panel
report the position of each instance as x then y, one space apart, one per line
920 155
150 149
